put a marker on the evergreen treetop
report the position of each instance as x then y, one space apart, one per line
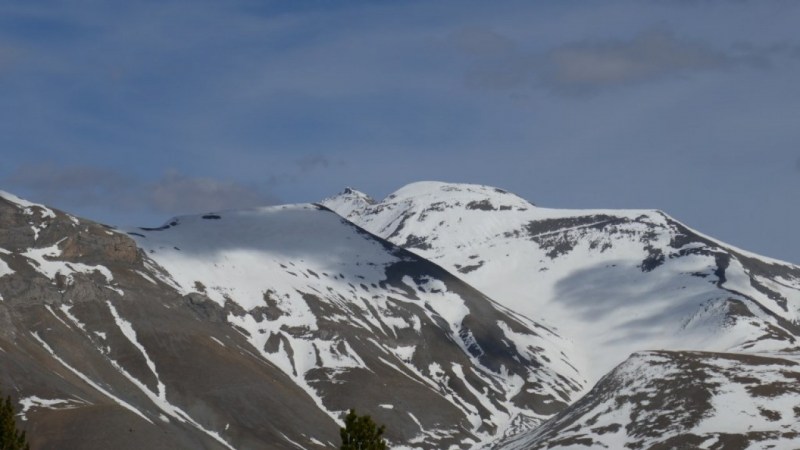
361 433
10 437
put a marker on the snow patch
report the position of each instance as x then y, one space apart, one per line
44 263
87 380
26 206
4 269
28 403
159 397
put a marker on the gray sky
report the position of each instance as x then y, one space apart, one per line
130 112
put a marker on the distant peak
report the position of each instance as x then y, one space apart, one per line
350 191
421 189
355 193
349 201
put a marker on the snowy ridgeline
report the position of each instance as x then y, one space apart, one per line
612 281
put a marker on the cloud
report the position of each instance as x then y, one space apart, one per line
80 185
648 56
76 188
312 162
481 42
318 161
176 193
592 65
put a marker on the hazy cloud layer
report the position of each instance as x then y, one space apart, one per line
173 193
313 162
592 65
179 193
648 56
318 161
80 185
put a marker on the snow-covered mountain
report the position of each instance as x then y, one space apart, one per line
344 314
461 316
328 316
613 281
99 353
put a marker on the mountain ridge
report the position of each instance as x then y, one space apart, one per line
521 256
325 305
488 318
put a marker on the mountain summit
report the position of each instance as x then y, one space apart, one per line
613 281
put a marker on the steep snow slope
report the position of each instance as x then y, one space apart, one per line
344 313
613 281
664 400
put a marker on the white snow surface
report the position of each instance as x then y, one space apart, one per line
44 260
34 401
88 380
4 269
559 267
241 256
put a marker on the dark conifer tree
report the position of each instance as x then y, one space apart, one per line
361 433
10 437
